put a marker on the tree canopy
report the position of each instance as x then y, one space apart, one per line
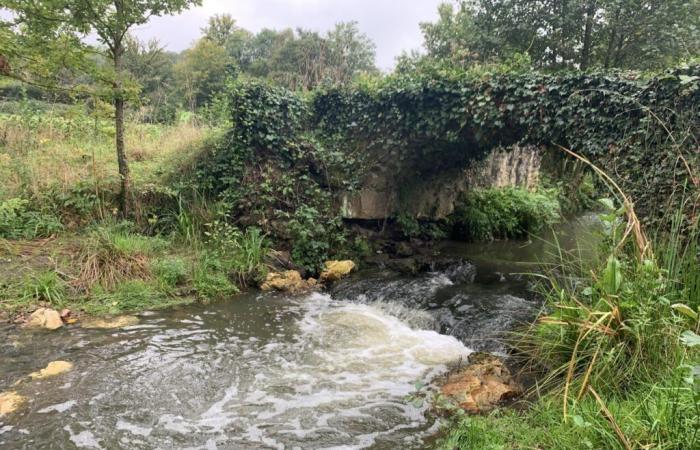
560 34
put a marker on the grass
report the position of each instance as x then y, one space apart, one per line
110 268
59 179
618 374
42 152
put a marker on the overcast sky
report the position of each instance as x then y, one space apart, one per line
391 24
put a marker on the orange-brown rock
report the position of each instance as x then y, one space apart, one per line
287 281
481 385
335 270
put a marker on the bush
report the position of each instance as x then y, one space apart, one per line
501 213
17 221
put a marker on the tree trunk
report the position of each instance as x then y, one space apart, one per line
124 178
613 37
588 35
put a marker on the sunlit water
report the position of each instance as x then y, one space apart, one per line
266 371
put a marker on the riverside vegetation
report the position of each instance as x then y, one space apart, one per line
257 165
210 207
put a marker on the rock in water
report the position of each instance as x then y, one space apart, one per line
45 318
481 385
10 402
335 270
287 281
54 368
110 323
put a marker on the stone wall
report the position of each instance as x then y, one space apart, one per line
434 197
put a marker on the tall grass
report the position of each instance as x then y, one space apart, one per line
612 344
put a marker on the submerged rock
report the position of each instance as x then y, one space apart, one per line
45 318
109 323
481 385
10 402
287 281
335 270
53 369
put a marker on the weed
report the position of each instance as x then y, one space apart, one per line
170 272
45 286
109 256
130 295
210 279
17 221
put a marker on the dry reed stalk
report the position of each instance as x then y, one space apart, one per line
608 415
634 227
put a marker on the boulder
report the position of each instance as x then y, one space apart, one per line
287 281
335 270
109 323
10 402
53 369
45 318
481 385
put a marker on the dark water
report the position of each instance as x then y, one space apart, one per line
272 371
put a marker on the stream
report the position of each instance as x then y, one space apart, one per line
317 371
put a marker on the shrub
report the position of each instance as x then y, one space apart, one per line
241 254
501 213
314 237
17 221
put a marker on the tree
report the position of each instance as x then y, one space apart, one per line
202 71
71 21
350 52
152 68
635 34
223 31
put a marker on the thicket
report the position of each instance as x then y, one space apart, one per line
642 129
503 213
270 171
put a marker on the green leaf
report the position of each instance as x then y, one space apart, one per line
690 339
685 310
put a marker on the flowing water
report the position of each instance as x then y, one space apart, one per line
325 370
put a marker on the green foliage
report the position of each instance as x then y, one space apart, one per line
409 227
170 272
501 213
241 255
130 295
268 172
620 329
573 34
202 72
18 221
46 286
210 278
314 237
421 124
